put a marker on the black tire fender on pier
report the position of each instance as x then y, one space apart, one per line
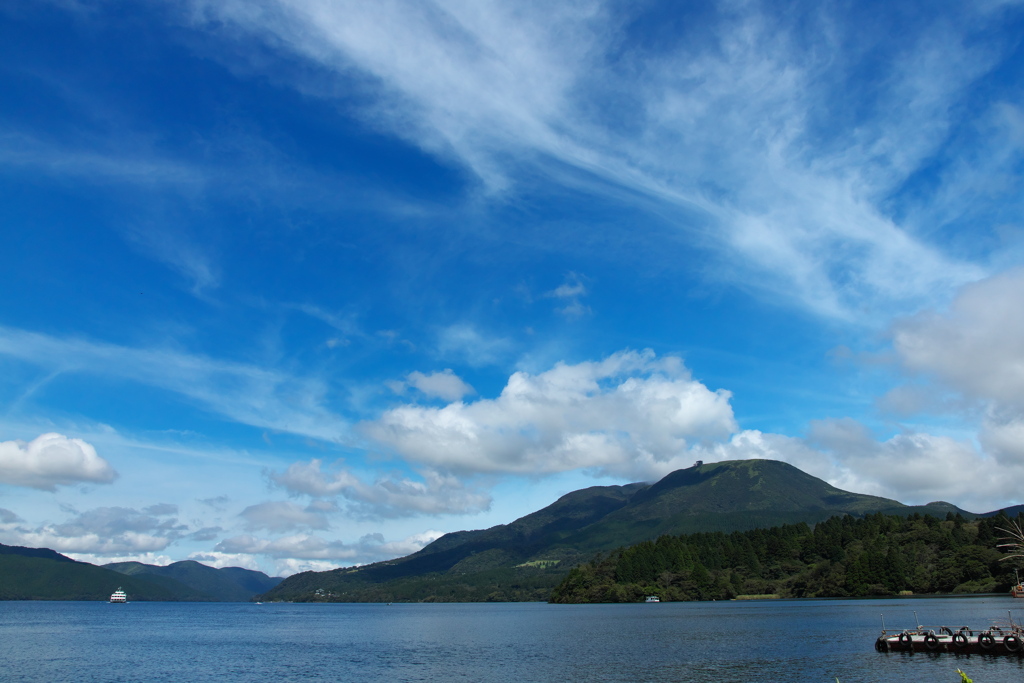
906 639
1012 643
931 641
986 640
882 645
947 630
960 639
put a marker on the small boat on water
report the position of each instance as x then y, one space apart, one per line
998 639
1017 590
118 596
652 598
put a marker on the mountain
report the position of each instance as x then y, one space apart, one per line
1011 511
42 574
230 584
527 557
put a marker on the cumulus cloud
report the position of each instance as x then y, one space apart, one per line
630 414
52 460
392 496
977 346
968 360
444 385
916 466
912 467
105 531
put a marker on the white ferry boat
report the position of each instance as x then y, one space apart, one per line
652 598
118 596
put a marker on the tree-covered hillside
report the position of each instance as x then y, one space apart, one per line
841 557
505 561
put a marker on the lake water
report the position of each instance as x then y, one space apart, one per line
778 640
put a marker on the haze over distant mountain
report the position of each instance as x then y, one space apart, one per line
521 560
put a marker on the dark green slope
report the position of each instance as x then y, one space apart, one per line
232 584
252 582
727 496
522 557
42 574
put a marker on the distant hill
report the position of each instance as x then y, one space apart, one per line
43 574
230 584
1011 511
524 559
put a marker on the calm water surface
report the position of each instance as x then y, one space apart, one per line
790 641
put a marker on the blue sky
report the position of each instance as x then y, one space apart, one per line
295 284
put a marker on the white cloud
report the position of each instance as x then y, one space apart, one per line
977 346
770 136
22 151
180 253
571 293
912 468
104 532
52 460
969 361
298 546
220 560
387 496
247 394
158 559
630 414
468 345
445 384
278 516
304 552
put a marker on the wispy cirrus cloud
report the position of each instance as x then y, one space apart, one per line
244 393
742 131
467 344
570 293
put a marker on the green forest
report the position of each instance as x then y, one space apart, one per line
841 557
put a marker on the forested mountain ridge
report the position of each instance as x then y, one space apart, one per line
43 574
526 558
840 557
228 584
